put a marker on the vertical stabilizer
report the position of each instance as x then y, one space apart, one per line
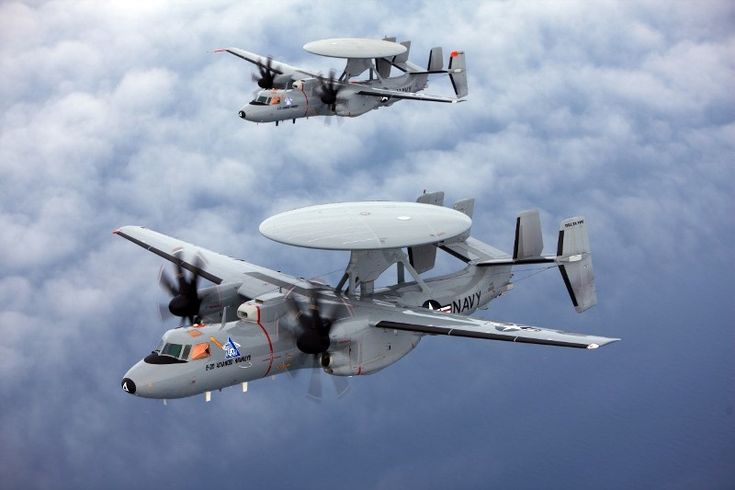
436 60
423 257
466 206
574 257
458 73
383 65
528 240
403 57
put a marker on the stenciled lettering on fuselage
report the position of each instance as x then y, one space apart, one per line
227 362
232 354
459 305
467 303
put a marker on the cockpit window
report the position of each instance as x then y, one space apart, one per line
178 353
275 100
261 100
168 354
173 350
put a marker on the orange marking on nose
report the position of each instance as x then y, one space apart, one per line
216 342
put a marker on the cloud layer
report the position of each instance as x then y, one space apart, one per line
120 114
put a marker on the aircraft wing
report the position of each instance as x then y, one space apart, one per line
217 268
397 94
277 66
436 323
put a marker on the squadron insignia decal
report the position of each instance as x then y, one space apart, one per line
231 348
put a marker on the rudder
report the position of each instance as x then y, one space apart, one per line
458 73
574 257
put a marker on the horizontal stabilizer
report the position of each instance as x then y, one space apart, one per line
573 256
575 263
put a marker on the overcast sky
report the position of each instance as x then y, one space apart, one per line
623 112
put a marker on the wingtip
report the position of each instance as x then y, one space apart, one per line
606 341
121 229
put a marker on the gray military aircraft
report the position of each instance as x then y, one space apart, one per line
255 322
289 92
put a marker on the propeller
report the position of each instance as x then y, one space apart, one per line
312 337
185 299
267 74
312 334
329 89
314 391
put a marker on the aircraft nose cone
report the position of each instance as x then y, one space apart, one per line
128 386
241 114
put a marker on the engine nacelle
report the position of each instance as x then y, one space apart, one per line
359 348
248 311
338 363
215 298
282 81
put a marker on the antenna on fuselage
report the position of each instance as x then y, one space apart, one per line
224 318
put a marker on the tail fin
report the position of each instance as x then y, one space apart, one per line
436 60
403 57
574 257
423 257
383 65
458 73
528 241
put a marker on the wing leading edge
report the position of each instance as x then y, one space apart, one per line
217 268
258 60
436 323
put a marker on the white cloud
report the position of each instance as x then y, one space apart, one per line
120 114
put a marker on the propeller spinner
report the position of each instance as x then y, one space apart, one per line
329 89
185 301
267 74
312 337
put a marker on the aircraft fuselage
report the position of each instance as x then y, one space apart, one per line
303 100
197 359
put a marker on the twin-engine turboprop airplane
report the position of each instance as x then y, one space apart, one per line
289 92
255 322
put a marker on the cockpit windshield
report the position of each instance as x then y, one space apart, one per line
261 100
266 100
173 350
169 353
